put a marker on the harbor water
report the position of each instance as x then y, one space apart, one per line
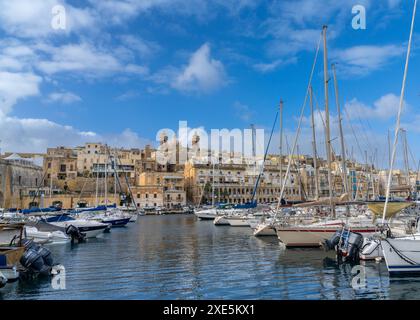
178 257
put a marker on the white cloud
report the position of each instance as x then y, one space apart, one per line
361 60
16 86
84 58
63 97
244 112
202 74
269 67
29 18
36 135
384 108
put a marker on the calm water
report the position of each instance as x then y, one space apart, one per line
177 257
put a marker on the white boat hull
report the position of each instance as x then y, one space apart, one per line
402 255
221 221
238 222
313 236
264 230
371 250
89 229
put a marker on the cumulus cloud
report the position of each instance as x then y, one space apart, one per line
361 60
16 86
84 58
202 74
243 111
28 18
63 98
382 109
36 135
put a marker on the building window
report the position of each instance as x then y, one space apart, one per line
155 195
49 165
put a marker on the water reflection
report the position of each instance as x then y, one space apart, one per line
177 257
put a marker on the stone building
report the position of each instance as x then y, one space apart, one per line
20 179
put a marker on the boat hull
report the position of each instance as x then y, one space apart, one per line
313 237
265 230
238 222
221 221
402 255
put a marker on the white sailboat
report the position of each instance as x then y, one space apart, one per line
402 254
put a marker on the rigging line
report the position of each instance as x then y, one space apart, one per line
364 131
300 122
400 108
323 124
412 156
353 132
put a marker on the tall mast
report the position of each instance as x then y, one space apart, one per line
212 188
106 181
327 119
400 108
281 143
97 181
340 125
314 143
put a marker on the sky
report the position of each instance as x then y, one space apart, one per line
120 71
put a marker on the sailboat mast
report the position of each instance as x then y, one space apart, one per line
327 120
212 187
97 182
281 142
340 125
314 143
106 181
400 108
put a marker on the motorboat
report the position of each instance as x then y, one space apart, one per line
206 214
91 229
11 253
44 237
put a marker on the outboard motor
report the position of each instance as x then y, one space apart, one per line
334 241
46 256
33 261
75 233
355 243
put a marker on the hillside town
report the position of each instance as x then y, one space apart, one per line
69 177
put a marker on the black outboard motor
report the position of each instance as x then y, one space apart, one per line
46 256
354 245
335 239
75 233
33 261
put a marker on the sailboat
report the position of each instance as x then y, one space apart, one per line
402 254
314 235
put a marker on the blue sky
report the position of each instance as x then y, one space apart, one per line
122 70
